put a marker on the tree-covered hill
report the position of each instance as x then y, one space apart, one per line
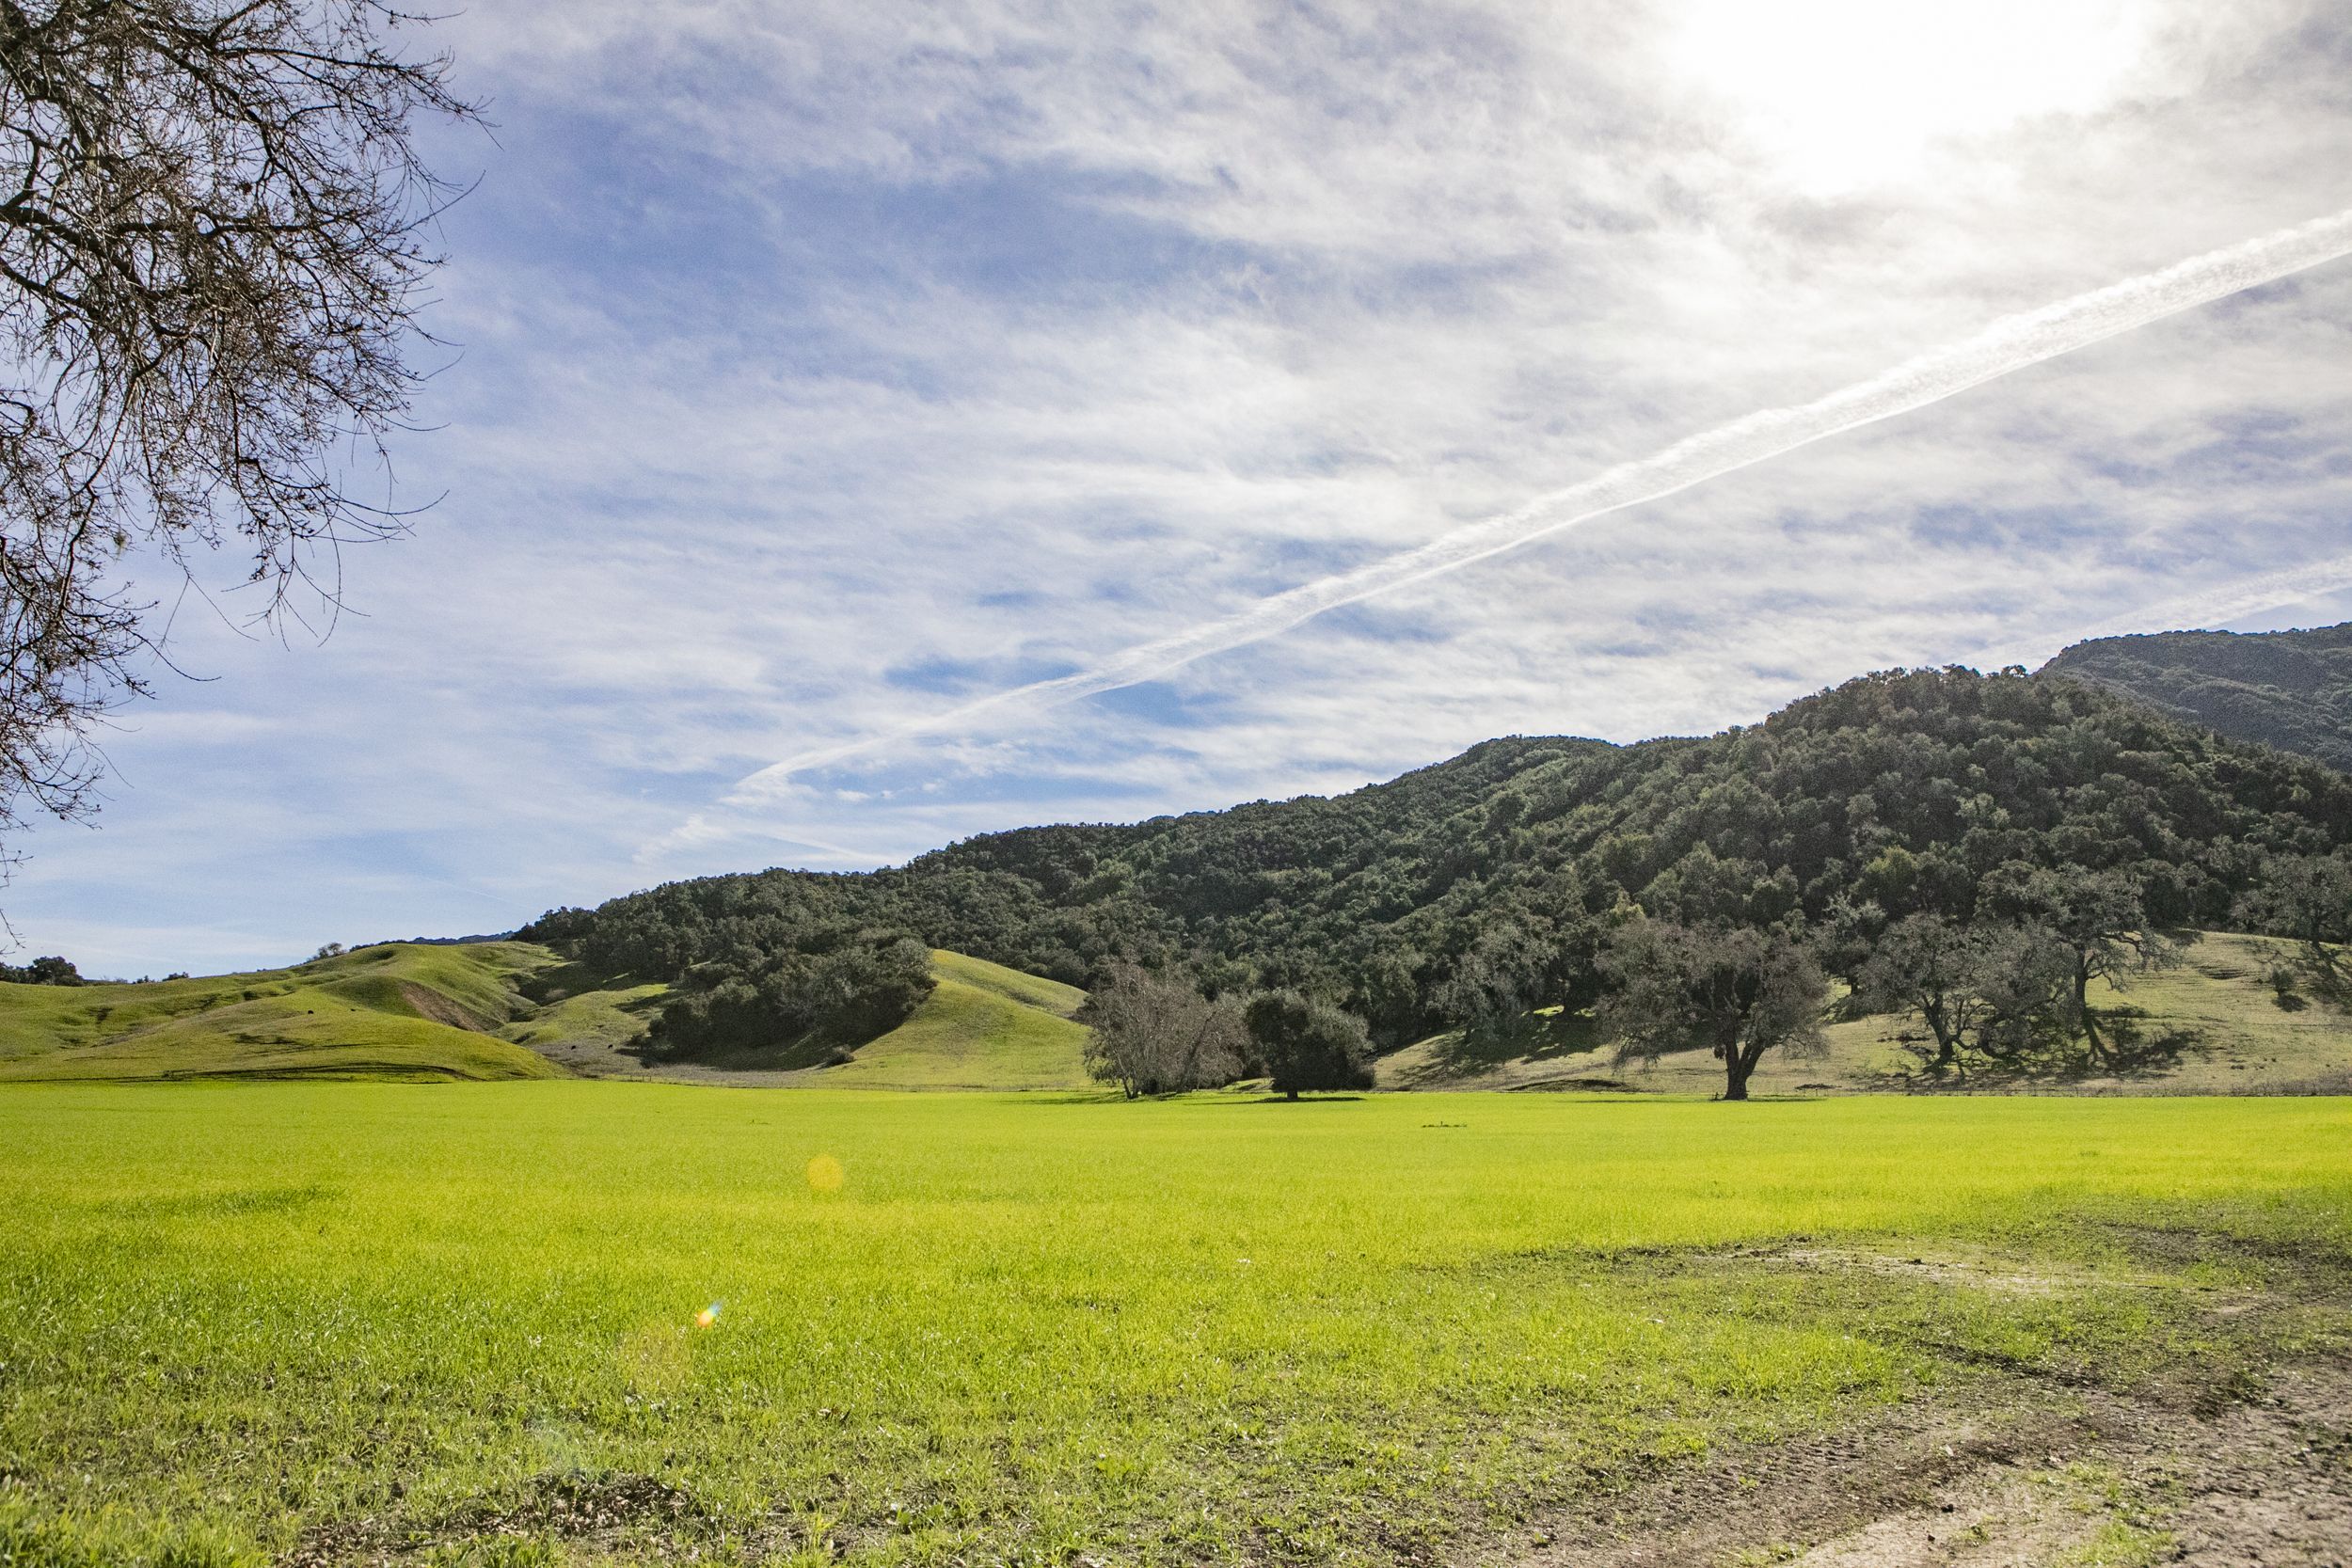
1486 885
2292 689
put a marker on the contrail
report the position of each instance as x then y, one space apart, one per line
2008 344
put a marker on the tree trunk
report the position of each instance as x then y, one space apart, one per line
1289 1094
1738 1065
2082 1007
1947 1038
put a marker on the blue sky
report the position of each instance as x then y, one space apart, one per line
819 368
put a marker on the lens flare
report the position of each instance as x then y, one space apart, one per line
824 1174
709 1315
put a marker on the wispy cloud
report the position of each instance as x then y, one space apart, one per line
2002 349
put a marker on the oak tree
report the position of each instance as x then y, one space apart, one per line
1734 990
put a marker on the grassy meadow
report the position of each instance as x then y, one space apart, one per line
555 1322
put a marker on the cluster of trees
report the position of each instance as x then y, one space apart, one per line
49 970
1489 890
833 1001
758 965
1157 1034
2012 984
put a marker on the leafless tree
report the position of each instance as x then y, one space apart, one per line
1153 1034
211 253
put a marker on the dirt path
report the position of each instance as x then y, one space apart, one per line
2113 1480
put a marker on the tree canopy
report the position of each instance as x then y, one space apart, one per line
1153 1034
1306 1043
1735 991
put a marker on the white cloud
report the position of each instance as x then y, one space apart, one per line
824 364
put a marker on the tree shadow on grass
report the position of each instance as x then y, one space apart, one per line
1306 1097
2133 1050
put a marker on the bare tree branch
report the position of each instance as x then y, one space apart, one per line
211 260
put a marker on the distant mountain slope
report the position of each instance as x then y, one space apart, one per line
1490 882
389 1012
433 1012
2292 689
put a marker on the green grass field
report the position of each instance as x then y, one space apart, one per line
370 1323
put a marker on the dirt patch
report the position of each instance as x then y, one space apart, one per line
2214 1460
2114 1480
1980 1523
2268 1482
1971 1273
574 1507
1764 1500
429 1004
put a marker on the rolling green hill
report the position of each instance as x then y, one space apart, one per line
983 1027
2226 1029
2292 689
501 1011
392 1011
506 1009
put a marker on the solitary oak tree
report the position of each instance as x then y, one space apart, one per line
2098 920
1734 990
1953 975
1309 1044
211 253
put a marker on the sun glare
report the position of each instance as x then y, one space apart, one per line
1843 93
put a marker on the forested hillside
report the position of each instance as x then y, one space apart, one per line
1489 885
2292 689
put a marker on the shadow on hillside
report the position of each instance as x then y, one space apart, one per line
793 1055
1547 1037
562 982
1587 1084
2131 1050
2303 977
